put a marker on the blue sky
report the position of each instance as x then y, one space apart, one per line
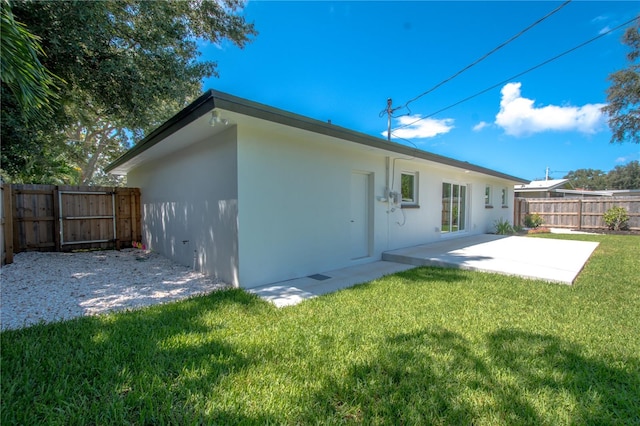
340 61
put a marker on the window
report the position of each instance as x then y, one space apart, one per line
487 196
454 207
409 188
505 197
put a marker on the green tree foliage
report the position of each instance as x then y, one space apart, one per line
587 179
621 177
31 84
92 142
625 177
623 96
127 66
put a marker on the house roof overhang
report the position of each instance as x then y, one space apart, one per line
601 193
542 185
212 99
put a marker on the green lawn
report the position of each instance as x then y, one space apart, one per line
427 346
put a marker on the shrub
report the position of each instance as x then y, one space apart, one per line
503 227
616 218
533 220
540 230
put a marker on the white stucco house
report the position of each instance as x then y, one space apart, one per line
255 195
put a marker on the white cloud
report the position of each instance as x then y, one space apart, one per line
519 116
604 30
628 158
426 128
481 125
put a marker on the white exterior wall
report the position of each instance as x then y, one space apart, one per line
257 205
496 211
190 203
414 226
294 202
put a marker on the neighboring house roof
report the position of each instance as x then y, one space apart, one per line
541 185
217 100
618 192
602 193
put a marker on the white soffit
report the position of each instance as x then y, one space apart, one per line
194 132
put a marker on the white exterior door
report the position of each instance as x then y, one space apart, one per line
360 216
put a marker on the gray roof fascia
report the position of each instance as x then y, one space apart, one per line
254 109
214 99
601 192
585 192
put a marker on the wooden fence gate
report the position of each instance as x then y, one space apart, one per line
64 218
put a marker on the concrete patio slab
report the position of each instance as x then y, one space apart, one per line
537 258
287 293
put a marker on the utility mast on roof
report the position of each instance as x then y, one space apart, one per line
389 111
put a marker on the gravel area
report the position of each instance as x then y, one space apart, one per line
47 287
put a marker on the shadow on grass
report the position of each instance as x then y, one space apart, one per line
157 365
427 274
438 377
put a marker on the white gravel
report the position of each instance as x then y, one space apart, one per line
47 287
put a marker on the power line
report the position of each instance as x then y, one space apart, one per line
485 56
406 140
517 75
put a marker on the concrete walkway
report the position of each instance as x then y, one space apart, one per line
536 258
292 292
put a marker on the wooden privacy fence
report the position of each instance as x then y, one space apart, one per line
3 221
65 218
576 213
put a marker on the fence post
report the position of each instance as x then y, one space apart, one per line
7 203
580 214
517 214
15 229
56 218
117 213
136 233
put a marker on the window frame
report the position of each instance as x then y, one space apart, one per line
413 201
488 192
456 212
504 198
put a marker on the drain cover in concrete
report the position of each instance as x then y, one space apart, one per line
319 277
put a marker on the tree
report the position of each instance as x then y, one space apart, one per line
623 96
587 179
127 66
29 153
31 84
625 177
92 142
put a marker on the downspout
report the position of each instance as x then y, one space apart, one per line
387 193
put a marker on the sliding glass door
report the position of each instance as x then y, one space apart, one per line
454 207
